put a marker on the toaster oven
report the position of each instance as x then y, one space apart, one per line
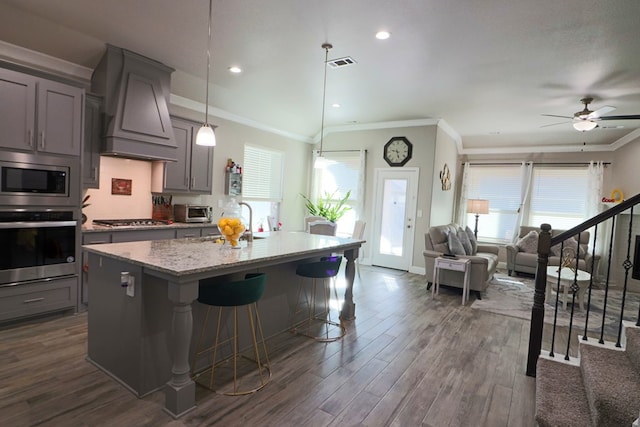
192 213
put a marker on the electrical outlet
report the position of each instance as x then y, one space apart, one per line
131 289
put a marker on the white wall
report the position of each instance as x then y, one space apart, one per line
444 201
625 173
423 139
105 205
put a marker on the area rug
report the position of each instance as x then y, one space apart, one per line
513 296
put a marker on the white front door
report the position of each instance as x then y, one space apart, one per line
395 197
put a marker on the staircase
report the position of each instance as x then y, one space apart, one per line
601 388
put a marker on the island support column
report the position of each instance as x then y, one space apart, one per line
348 311
180 391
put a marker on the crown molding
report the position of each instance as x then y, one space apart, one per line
374 126
453 134
24 57
181 101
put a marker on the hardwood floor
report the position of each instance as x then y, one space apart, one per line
407 360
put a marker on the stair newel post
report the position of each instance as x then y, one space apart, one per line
537 311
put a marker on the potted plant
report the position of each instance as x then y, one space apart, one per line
326 207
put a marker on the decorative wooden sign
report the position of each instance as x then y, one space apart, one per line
121 186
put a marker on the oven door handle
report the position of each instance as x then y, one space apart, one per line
38 224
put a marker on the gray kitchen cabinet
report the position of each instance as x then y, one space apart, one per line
197 232
184 233
193 172
39 115
209 232
138 235
38 298
92 135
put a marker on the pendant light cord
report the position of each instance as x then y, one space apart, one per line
326 47
206 105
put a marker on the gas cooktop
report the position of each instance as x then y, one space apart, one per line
129 222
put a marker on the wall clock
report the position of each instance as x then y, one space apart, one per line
398 151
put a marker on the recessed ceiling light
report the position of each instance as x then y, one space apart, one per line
235 70
383 35
335 105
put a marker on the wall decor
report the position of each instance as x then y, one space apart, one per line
121 186
445 178
397 151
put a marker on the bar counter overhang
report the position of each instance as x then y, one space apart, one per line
144 339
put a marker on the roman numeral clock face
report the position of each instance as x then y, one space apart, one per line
398 151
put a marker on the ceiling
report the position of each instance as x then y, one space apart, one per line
489 68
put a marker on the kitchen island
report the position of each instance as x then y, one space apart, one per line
141 334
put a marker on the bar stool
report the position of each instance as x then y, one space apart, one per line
233 295
326 268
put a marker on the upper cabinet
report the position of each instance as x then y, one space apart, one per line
193 172
92 135
39 115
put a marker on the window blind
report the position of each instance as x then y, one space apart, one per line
262 173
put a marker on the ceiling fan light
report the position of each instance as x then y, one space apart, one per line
585 125
206 136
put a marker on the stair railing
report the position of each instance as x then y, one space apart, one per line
545 243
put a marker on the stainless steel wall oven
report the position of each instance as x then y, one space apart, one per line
36 245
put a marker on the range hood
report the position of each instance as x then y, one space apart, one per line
136 93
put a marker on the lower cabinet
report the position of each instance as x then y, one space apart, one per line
38 298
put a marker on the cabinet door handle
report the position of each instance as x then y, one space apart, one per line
193 181
95 172
30 138
27 301
42 140
189 235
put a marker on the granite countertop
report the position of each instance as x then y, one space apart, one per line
92 228
182 257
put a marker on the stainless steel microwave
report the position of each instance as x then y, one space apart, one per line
24 179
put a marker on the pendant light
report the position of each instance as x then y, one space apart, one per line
205 135
320 161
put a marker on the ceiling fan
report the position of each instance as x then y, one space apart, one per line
586 119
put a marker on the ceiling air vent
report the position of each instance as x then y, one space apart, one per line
341 62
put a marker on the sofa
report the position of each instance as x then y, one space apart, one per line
522 256
484 257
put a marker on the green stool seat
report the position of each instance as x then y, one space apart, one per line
326 268
229 294
214 293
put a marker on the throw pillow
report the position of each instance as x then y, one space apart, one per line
571 243
455 247
466 243
529 243
472 239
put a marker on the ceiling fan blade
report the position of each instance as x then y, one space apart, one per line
601 112
553 115
630 117
554 124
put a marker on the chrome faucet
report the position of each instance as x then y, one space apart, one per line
248 235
